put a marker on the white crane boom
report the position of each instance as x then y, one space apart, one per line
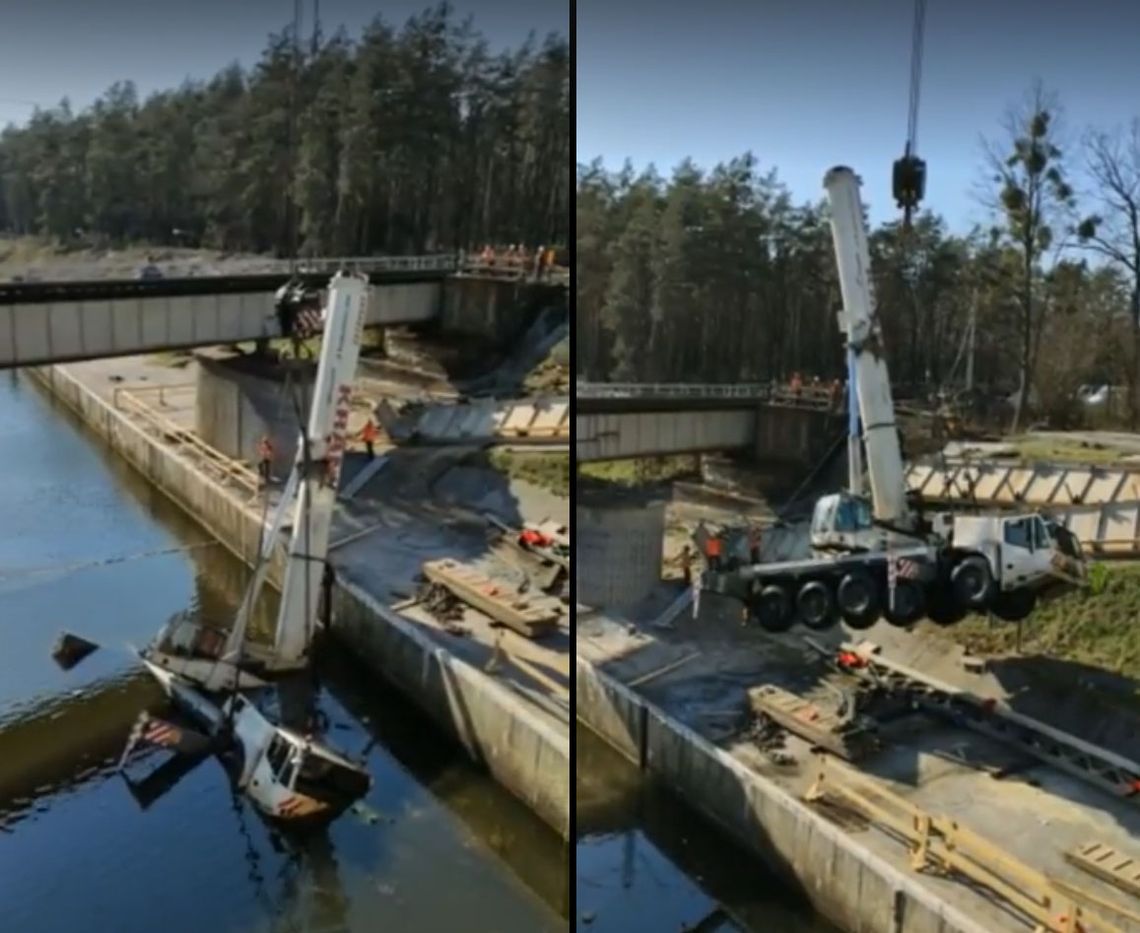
860 323
320 470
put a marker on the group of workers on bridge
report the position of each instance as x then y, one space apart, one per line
538 261
368 435
835 389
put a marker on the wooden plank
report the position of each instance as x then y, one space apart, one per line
812 723
1108 864
949 845
492 597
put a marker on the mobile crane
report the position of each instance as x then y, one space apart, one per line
883 557
287 774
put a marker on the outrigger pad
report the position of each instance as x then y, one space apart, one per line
70 649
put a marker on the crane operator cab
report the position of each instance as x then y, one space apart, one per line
844 522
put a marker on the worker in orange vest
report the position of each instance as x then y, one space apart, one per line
265 458
712 551
369 433
797 383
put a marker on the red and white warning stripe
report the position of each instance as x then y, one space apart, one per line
309 321
907 569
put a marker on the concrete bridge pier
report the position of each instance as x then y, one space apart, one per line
242 397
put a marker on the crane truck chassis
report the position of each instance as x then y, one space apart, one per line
882 556
1006 566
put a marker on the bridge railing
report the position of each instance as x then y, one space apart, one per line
816 398
678 390
514 271
440 262
806 397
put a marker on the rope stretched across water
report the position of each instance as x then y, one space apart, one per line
103 562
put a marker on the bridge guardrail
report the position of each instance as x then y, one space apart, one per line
515 271
680 390
439 262
806 397
813 397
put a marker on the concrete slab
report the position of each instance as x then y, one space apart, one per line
1034 814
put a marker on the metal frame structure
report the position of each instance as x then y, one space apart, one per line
1104 769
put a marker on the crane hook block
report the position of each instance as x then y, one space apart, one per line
908 181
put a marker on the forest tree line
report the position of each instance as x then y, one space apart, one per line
722 277
405 141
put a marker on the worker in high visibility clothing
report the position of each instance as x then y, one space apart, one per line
713 551
265 459
369 434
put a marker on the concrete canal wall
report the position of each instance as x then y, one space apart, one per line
519 748
846 882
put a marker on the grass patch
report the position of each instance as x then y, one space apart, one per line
1096 626
639 472
176 359
1059 451
552 374
549 471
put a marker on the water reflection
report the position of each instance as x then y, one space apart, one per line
645 861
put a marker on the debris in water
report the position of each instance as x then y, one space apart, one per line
70 649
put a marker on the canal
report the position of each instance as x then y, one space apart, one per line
645 861
438 845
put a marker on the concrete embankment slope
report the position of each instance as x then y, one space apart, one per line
847 882
521 748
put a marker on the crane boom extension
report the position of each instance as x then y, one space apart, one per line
189 649
320 465
860 323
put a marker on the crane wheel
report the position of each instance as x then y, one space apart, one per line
771 609
972 582
815 606
1015 606
858 600
944 608
909 604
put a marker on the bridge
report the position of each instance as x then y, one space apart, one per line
614 421
66 321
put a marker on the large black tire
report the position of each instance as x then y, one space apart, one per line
1014 606
815 605
858 600
973 583
771 609
942 607
909 604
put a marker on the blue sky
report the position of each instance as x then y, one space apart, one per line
77 48
807 84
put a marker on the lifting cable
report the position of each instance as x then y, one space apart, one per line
102 562
908 179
